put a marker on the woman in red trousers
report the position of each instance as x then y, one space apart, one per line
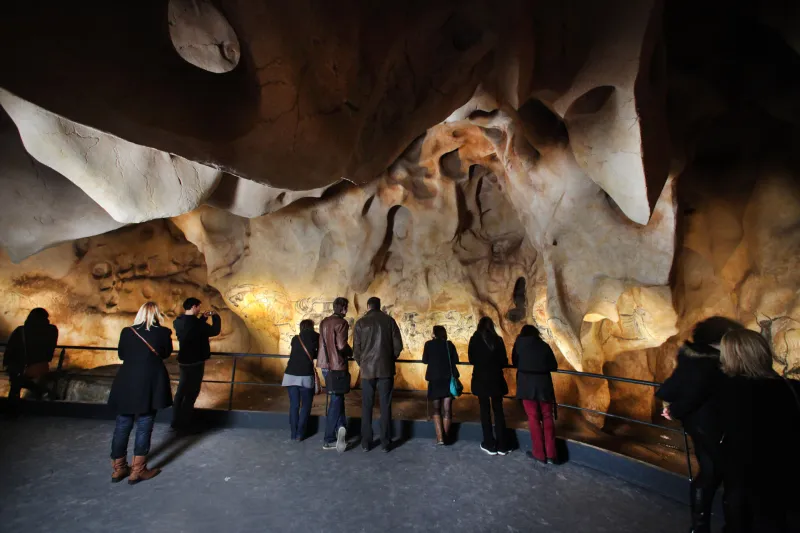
534 360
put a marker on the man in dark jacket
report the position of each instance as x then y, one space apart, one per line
332 359
193 332
376 346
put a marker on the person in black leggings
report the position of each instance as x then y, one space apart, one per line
488 356
441 357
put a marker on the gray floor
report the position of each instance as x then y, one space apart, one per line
54 477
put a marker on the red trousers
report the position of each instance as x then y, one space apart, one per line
542 427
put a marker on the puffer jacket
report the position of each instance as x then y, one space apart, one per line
333 348
376 345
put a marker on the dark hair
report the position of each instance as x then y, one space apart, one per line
340 304
374 303
711 330
439 333
37 316
486 330
529 331
188 303
306 324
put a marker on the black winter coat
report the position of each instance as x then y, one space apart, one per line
691 388
760 423
29 345
376 345
441 367
488 364
193 333
534 360
142 382
299 363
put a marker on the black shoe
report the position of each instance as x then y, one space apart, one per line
531 456
365 447
503 452
329 446
490 451
552 461
385 449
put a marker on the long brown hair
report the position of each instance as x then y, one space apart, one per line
746 353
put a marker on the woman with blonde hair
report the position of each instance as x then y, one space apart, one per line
141 387
760 415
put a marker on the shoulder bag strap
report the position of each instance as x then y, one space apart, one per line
311 360
306 350
24 347
144 341
449 360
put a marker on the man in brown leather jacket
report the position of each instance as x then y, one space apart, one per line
376 346
332 359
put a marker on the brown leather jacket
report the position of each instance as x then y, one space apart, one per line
333 348
376 345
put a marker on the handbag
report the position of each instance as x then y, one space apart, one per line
456 388
314 376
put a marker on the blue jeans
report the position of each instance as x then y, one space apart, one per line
336 417
300 400
122 432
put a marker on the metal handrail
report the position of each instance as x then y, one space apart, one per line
236 355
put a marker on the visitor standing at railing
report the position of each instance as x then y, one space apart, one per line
534 360
334 351
441 357
376 346
689 392
28 354
488 356
193 331
760 421
300 378
141 387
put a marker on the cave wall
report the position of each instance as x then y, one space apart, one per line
612 172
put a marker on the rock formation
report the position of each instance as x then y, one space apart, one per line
609 171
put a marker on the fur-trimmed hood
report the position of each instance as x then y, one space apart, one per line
698 350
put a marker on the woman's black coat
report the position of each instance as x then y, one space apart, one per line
441 367
299 364
29 345
691 388
142 382
534 360
488 364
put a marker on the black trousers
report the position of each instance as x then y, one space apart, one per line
188 391
489 405
384 386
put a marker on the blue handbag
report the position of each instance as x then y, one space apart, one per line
456 388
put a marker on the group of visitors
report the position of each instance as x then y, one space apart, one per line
376 346
743 418
744 421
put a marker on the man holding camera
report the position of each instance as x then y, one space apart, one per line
193 333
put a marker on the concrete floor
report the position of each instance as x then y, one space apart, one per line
55 472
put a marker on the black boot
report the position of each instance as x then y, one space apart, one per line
702 500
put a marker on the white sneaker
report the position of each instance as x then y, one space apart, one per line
341 440
488 450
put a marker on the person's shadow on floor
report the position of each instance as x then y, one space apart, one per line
175 445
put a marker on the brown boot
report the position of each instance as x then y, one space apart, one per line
121 469
437 425
448 422
140 472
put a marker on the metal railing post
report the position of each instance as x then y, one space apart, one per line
233 379
61 359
